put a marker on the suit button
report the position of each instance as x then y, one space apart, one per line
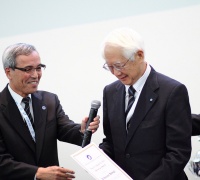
128 156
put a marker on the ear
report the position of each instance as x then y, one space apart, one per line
8 73
140 54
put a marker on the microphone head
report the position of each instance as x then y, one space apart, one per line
95 104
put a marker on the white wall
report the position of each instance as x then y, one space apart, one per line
74 64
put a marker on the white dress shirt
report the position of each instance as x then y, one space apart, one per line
138 88
17 98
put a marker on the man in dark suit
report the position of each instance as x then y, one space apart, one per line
28 137
153 141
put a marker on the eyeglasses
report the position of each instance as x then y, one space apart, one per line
30 69
116 66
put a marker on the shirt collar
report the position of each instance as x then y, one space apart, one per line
17 98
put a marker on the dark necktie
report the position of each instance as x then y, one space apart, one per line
27 108
131 92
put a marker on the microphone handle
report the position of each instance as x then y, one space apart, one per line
92 115
88 133
86 138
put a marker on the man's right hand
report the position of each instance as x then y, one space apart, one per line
54 172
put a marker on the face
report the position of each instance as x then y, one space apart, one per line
21 82
132 71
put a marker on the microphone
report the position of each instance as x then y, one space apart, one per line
93 113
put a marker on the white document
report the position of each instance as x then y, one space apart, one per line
98 164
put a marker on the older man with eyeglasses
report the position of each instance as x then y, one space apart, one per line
152 141
32 121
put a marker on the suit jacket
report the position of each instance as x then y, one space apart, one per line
195 124
158 144
20 157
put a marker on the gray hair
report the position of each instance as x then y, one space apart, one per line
13 51
125 38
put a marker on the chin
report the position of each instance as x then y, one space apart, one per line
32 90
125 82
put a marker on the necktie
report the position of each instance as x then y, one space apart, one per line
27 108
131 92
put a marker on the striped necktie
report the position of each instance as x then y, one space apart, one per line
27 108
131 92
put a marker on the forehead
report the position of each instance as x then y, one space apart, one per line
112 51
28 60
113 54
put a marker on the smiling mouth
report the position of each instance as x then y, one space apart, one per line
122 78
33 82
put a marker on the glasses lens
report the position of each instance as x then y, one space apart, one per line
105 66
40 68
118 66
28 69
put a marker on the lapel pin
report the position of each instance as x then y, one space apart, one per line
43 107
151 100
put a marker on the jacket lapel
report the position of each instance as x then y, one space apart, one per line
146 100
40 113
119 109
13 115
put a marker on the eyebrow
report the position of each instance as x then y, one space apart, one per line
36 66
116 63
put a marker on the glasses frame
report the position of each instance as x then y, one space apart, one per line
119 67
30 69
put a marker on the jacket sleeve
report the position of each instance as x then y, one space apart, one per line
67 130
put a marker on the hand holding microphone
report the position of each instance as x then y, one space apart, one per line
93 113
